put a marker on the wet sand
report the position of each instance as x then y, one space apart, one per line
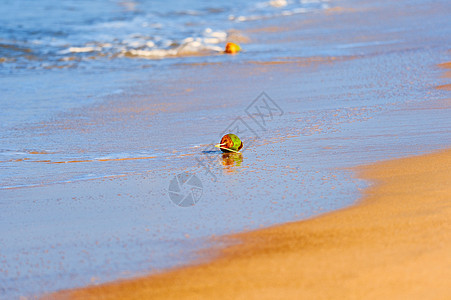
395 244
447 66
87 190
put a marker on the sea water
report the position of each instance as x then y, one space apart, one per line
104 103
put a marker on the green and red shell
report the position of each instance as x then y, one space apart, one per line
232 142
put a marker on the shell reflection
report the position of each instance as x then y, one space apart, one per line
231 160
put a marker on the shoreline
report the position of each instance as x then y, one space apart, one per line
392 243
357 85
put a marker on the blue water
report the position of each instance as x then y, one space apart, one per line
88 34
102 103
59 55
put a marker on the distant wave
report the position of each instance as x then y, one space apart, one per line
107 30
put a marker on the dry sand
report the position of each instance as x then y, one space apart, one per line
395 244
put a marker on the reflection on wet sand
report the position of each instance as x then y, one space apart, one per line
230 161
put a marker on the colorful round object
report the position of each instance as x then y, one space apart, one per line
230 143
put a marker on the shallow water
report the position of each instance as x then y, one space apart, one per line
84 34
88 153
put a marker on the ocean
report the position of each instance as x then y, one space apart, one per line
110 109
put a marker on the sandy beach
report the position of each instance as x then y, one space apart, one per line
395 244
107 106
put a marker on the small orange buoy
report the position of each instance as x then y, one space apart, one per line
232 48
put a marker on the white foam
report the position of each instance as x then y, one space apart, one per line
211 40
187 47
150 44
83 49
149 53
278 3
190 46
106 45
218 34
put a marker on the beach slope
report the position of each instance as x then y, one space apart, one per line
395 244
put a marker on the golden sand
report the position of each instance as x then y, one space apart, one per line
396 244
446 65
446 87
